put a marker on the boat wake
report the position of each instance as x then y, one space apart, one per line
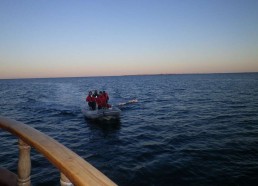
128 102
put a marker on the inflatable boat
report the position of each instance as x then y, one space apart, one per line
107 113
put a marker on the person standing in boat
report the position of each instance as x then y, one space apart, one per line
91 101
106 98
101 101
105 94
95 94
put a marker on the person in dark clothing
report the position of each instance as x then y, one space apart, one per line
91 101
95 94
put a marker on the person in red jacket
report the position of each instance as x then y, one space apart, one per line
91 101
105 94
101 101
106 97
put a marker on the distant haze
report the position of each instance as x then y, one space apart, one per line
105 38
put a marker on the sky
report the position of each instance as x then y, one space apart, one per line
73 38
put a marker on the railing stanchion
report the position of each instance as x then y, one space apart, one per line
79 171
64 181
24 164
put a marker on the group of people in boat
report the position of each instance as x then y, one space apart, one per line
97 100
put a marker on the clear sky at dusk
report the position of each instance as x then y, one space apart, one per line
97 38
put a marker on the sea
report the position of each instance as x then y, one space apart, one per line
195 129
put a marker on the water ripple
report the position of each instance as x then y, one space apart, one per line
183 129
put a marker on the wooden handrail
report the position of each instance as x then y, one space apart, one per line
71 165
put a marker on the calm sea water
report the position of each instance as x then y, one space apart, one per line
184 129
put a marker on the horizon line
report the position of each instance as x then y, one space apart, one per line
197 73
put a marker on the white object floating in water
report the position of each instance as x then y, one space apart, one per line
128 102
